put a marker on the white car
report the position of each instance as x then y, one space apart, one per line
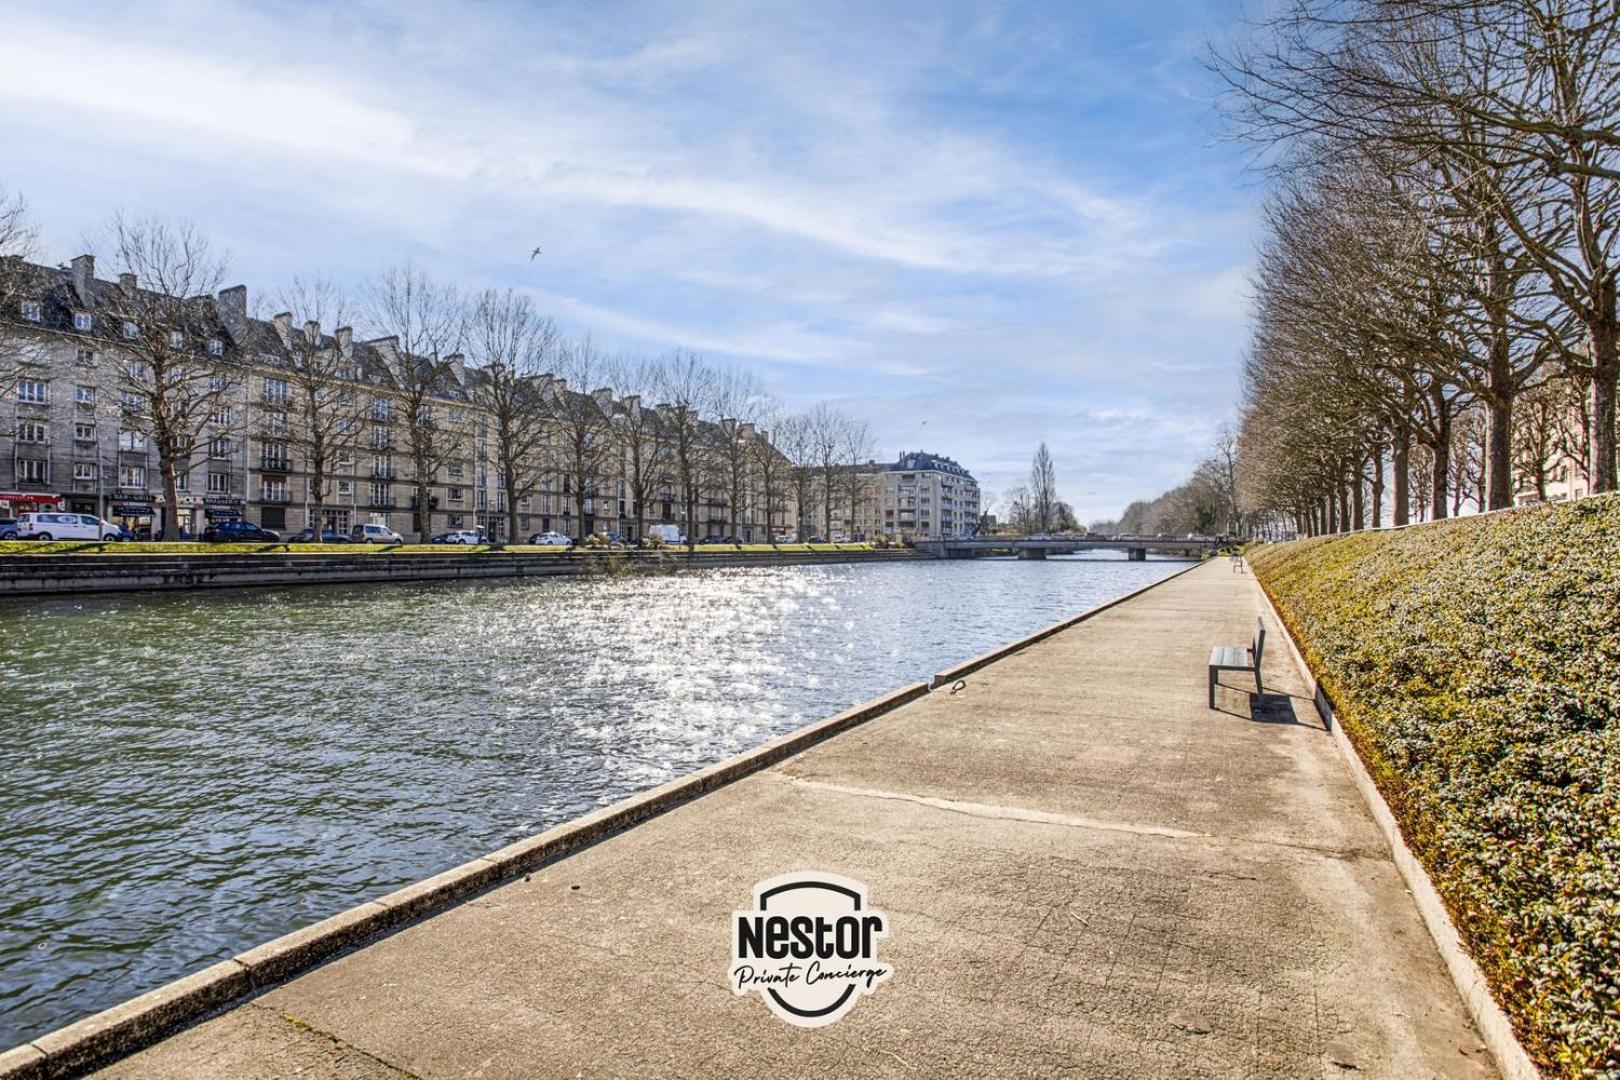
550 539
376 534
460 536
66 527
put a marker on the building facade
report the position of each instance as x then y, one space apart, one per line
76 431
920 496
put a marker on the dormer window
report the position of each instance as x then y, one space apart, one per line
176 339
31 310
82 321
216 347
129 331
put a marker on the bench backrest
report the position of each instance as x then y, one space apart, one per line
1259 645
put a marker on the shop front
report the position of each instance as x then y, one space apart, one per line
134 511
13 503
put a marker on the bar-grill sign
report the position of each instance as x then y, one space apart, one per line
809 947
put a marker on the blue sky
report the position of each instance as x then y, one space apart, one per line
976 226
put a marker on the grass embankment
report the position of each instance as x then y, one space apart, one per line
91 547
1475 665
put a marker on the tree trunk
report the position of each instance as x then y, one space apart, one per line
1358 499
1377 519
1607 366
511 508
1441 449
1401 467
1498 479
424 512
171 497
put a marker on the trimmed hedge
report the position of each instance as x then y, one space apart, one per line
1475 665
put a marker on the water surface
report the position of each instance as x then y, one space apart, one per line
190 774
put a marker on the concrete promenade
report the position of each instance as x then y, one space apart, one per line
1087 873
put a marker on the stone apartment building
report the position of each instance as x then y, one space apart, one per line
71 437
920 496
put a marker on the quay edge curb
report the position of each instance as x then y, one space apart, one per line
967 667
117 1032
1495 1029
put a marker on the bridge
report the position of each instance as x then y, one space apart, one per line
1135 548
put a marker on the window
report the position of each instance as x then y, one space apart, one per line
219 448
176 339
455 494
219 483
34 392
454 470
131 440
31 310
86 357
84 395
82 320
83 432
275 391
274 455
379 438
130 331
132 476
345 487
84 471
274 490
379 411
132 402
31 431
380 495
455 416
216 383
275 423
30 471
182 480
216 347
222 418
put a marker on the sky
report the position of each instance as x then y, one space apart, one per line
977 226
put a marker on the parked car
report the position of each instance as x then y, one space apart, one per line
550 539
66 527
375 534
461 536
327 536
669 534
238 531
816 540
8 528
786 538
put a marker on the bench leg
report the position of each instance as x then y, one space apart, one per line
1212 688
1257 687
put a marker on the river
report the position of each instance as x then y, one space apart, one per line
190 774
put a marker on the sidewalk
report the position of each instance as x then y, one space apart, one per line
1086 871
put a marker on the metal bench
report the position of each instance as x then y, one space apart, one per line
1237 658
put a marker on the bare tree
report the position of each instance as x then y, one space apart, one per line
688 389
738 402
420 324
827 435
319 412
795 439
585 417
177 388
855 450
642 442
1043 494
18 240
772 466
514 350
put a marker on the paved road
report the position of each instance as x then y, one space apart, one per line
1087 872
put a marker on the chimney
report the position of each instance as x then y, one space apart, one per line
312 334
233 303
458 366
631 403
559 387
604 398
345 340
84 275
126 282
283 324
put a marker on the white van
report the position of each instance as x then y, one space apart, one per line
669 534
66 527
376 534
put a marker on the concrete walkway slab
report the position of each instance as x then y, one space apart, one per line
1086 871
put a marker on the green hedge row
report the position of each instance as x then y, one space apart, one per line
1475 665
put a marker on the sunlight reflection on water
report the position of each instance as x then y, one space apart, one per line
191 774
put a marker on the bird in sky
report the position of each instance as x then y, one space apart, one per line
535 253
